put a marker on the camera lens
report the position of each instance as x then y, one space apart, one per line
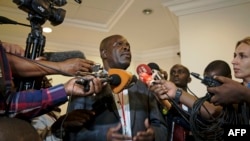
57 16
59 2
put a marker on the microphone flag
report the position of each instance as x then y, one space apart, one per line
146 76
126 78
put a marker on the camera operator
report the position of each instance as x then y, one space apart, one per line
33 103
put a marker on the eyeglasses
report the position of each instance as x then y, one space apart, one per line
121 44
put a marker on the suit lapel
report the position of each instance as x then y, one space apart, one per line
132 106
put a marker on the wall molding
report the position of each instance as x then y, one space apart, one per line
185 7
157 54
103 27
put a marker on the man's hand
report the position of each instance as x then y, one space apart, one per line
147 135
163 89
72 121
95 85
230 92
76 66
114 135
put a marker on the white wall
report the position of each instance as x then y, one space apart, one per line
211 35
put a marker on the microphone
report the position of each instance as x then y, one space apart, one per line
113 80
4 20
154 66
126 79
157 75
146 76
207 80
117 78
61 56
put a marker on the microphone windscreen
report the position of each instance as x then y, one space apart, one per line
157 75
115 80
62 56
143 68
154 66
145 74
125 76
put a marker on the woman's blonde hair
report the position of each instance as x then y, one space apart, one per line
245 40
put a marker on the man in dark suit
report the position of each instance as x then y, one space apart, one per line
130 114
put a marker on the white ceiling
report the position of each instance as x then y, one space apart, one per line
86 24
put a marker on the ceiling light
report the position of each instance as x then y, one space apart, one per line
47 30
147 11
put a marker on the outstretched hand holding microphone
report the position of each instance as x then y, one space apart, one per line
154 80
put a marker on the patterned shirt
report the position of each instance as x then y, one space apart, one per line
32 103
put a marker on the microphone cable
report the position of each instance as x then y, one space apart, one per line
185 115
199 127
213 129
205 129
208 129
61 130
198 99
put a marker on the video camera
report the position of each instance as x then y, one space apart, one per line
38 12
44 9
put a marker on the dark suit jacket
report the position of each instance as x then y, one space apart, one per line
142 105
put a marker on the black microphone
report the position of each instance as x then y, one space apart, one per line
113 80
154 66
207 80
61 56
4 20
196 75
157 75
